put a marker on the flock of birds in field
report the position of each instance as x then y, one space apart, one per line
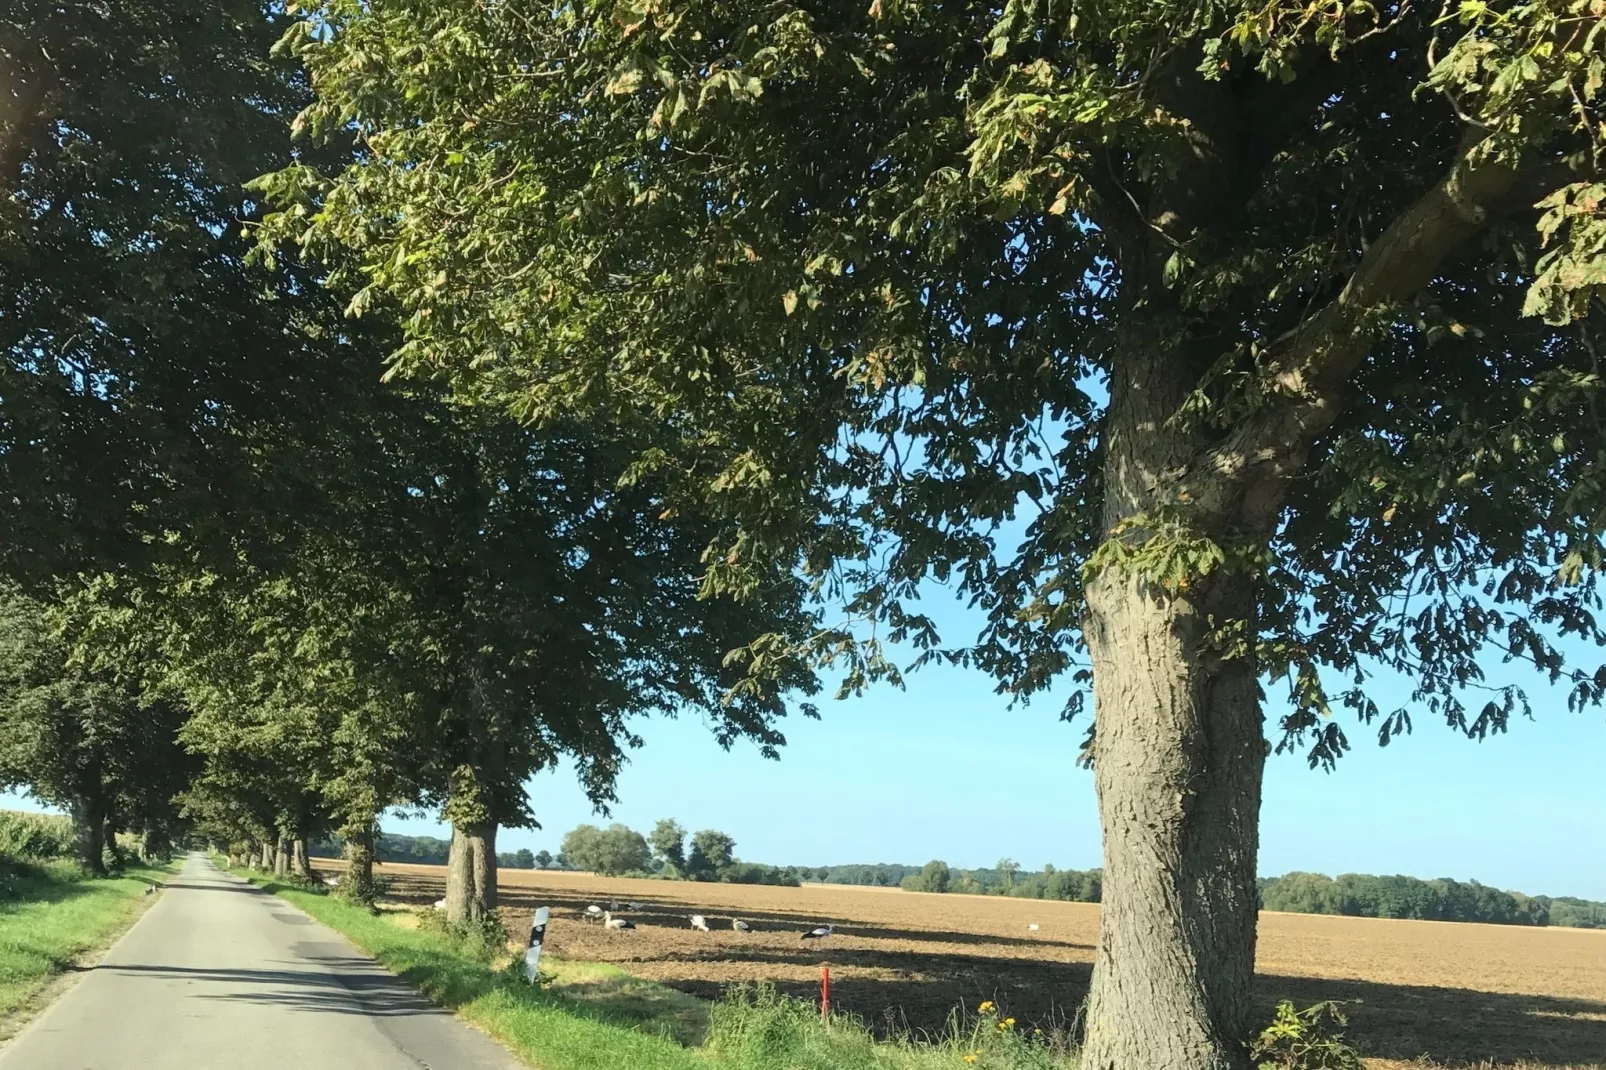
596 912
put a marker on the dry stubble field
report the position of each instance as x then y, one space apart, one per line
1456 994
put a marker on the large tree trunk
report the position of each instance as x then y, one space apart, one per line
1178 761
357 884
88 833
264 860
471 872
1178 753
303 860
281 857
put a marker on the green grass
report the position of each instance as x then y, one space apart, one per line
50 914
592 1016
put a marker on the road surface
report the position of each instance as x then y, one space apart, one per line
219 975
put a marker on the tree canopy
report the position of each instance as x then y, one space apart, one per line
1265 326
333 594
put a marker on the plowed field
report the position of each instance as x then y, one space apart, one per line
1457 994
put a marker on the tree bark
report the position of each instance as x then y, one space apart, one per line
303 860
281 857
1179 748
471 872
108 838
1178 761
88 834
357 885
265 858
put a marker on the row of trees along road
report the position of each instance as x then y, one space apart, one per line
1204 348
248 589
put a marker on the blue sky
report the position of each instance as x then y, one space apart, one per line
945 769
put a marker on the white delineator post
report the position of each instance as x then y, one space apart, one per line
532 954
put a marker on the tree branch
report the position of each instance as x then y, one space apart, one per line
1311 363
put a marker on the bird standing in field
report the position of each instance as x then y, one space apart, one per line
698 923
633 906
594 913
741 926
440 904
1032 926
611 922
819 933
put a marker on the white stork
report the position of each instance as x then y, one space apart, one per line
741 926
819 933
440 904
594 913
1033 926
611 922
698 923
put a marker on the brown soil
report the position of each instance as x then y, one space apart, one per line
1456 994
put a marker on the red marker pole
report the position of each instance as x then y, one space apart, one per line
825 994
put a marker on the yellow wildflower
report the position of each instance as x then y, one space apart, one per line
972 1057
1009 1023
987 1006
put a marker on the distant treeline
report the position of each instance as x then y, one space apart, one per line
1354 894
1366 896
1006 878
618 850
422 850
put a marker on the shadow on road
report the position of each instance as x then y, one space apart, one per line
344 986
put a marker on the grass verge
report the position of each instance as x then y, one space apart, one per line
592 1016
51 914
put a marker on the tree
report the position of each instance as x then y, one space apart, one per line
544 859
711 852
933 877
85 739
524 858
668 841
608 852
139 355
1265 323
1007 868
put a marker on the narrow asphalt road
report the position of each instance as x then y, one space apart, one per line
219 975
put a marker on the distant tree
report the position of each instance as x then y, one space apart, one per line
934 877
668 842
524 858
544 859
580 846
1007 868
610 852
711 852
